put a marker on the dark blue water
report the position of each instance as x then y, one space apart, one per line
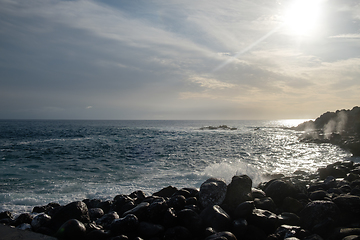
63 161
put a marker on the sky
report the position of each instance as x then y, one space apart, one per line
181 60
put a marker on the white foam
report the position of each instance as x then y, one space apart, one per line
227 169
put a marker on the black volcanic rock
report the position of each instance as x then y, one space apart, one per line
212 192
341 128
238 191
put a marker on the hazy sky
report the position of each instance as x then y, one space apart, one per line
183 59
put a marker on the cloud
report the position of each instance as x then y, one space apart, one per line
135 58
346 36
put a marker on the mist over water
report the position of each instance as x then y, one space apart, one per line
64 161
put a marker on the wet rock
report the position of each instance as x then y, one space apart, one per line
264 219
139 210
107 219
166 192
194 192
155 211
238 191
315 212
6 214
239 227
191 220
6 217
71 229
177 233
349 206
124 225
169 218
177 202
138 196
212 192
24 226
352 237
265 203
96 213
23 218
243 210
288 231
287 218
278 190
255 233
97 234
45 208
258 193
319 195
292 205
41 220
191 201
341 233
122 203
215 217
75 210
313 237
182 192
149 230
222 236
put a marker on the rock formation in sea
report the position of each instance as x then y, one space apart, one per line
341 128
322 205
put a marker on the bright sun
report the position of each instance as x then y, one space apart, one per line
302 17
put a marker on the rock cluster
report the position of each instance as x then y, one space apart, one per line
325 205
341 128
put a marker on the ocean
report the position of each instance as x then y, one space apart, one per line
61 161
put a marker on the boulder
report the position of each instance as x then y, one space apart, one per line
278 190
222 236
23 218
191 220
265 203
149 230
166 192
41 220
215 217
71 229
239 227
177 202
156 210
212 192
238 191
264 219
96 213
288 231
107 219
139 210
75 210
349 206
292 205
177 233
124 225
170 218
243 210
315 212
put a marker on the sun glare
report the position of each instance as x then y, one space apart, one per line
302 17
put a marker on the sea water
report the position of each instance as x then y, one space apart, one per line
43 161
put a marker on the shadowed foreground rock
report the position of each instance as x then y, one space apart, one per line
318 206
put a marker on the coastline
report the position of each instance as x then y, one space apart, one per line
302 206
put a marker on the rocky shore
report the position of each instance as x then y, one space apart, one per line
341 128
323 205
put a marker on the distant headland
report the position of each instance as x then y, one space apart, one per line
341 128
